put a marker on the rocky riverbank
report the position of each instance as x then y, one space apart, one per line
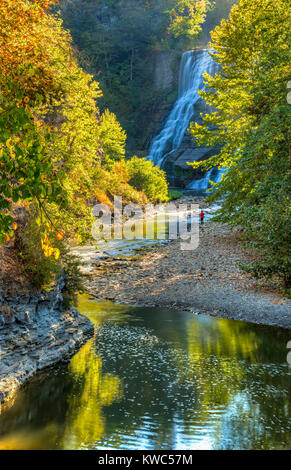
207 280
36 333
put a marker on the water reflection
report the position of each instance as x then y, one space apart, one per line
159 379
137 236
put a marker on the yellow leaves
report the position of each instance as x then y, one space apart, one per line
8 143
48 251
57 253
48 248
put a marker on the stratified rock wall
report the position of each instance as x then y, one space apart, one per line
36 333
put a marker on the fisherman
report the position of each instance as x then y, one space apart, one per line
202 215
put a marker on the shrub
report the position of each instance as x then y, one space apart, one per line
173 194
43 270
150 179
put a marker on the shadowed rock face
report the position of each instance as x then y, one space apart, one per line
35 333
164 76
173 147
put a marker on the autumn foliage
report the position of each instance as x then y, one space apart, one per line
58 155
28 82
25 63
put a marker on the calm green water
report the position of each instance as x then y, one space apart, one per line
159 379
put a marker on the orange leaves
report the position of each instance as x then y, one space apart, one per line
9 236
120 169
60 235
46 248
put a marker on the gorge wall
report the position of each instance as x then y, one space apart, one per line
164 67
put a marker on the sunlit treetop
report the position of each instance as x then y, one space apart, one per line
25 62
187 17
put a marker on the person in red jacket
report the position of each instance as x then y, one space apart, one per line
202 215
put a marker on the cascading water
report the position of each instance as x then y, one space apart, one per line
193 65
204 183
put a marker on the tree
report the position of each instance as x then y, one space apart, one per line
252 123
119 42
27 83
187 17
113 138
53 143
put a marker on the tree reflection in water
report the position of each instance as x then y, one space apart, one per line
159 379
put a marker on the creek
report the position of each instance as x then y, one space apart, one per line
154 378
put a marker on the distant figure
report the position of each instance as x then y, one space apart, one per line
202 215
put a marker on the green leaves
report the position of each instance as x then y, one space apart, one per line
187 17
253 121
112 138
146 177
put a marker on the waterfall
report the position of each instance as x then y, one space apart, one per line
203 184
193 65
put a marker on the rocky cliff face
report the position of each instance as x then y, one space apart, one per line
36 333
165 72
164 67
